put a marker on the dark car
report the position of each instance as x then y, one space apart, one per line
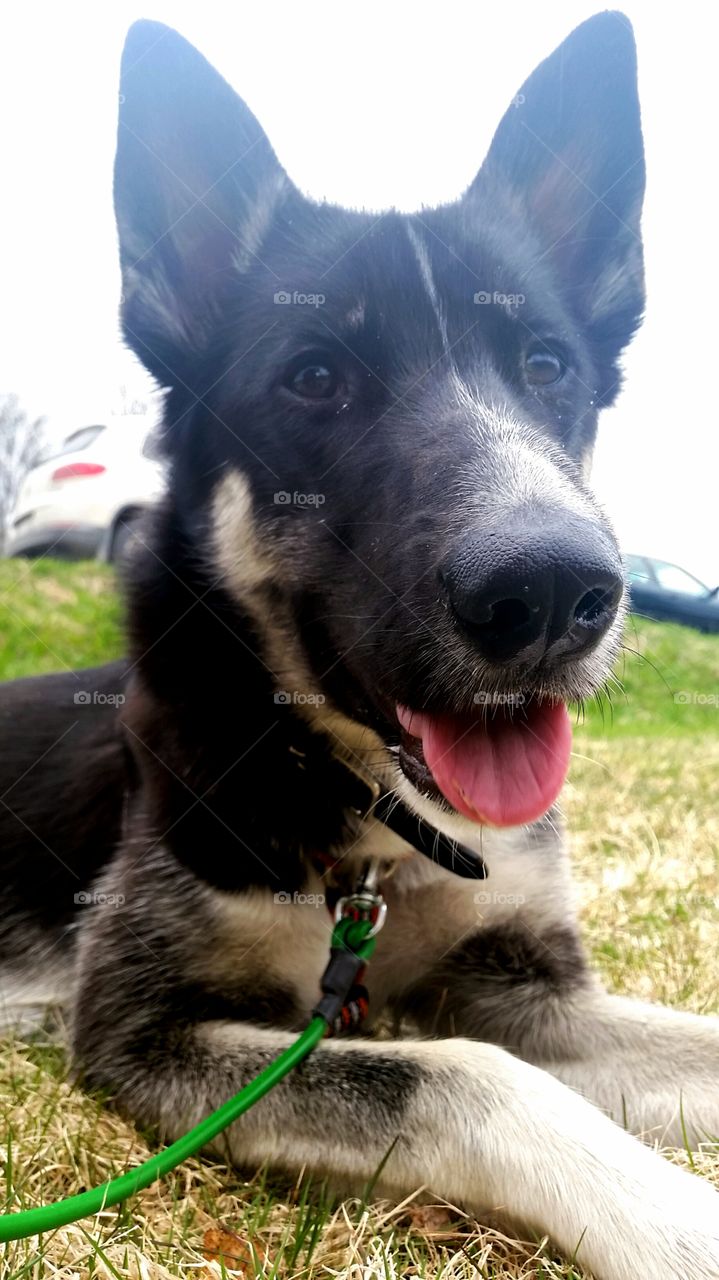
664 591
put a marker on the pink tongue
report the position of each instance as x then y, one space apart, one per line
498 770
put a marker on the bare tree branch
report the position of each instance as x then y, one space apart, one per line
20 440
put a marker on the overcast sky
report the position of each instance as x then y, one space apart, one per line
375 105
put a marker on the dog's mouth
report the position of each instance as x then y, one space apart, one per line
503 766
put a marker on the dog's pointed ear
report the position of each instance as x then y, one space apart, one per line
195 176
569 149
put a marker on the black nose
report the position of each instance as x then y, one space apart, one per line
544 586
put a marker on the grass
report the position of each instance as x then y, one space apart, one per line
57 615
644 830
667 683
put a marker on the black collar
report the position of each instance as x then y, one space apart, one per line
369 801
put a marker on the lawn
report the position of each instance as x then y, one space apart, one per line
641 805
57 615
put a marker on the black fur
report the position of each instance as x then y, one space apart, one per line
491 985
62 764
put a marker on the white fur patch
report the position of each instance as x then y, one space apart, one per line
425 270
277 935
241 550
250 561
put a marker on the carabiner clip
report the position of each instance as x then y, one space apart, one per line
365 903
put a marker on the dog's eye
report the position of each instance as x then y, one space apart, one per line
543 366
313 382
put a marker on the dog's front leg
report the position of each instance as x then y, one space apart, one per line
528 988
468 1120
656 1070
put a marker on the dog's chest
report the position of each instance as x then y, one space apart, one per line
277 944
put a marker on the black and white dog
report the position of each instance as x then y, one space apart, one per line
378 564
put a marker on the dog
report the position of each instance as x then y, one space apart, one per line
378 570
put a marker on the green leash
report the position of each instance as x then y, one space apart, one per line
357 921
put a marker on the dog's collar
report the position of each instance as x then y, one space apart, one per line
369 800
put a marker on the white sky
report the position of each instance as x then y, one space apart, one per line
368 104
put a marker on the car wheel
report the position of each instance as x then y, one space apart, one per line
126 538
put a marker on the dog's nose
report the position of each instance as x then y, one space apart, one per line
546 587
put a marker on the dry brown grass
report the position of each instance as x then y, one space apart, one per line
646 849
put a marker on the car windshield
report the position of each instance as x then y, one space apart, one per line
672 578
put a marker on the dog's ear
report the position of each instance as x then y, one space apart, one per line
569 149
195 184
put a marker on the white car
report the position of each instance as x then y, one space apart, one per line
85 496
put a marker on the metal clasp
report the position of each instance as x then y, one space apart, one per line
365 903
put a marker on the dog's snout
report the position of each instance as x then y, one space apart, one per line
527 590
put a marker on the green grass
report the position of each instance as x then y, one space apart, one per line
668 684
644 836
56 615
